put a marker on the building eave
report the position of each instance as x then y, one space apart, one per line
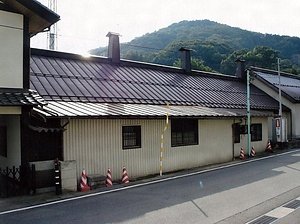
40 17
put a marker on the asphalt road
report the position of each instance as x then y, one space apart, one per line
236 193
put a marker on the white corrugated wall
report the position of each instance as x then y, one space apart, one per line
96 145
259 146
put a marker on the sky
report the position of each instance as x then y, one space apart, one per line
84 24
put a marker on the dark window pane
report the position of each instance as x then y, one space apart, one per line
256 132
236 133
184 132
131 137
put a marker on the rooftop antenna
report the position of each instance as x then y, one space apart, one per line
52 33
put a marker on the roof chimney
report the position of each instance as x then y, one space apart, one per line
185 59
113 47
240 69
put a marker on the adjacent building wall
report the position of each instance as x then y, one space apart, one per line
11 51
293 118
96 145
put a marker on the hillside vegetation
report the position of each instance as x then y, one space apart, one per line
215 47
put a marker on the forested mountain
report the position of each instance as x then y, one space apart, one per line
214 47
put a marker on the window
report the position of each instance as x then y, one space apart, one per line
256 132
3 141
131 137
184 132
236 133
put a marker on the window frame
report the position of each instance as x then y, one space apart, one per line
131 133
181 130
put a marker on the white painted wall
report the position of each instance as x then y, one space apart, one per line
293 121
11 50
259 146
10 110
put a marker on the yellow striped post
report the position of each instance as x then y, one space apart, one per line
162 141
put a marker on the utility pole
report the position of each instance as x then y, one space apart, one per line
248 112
52 33
279 99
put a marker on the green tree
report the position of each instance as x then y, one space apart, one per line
260 56
196 64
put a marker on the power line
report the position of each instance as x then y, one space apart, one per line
126 44
151 48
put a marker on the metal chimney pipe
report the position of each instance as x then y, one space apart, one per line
240 69
114 47
186 59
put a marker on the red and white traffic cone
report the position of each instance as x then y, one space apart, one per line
242 154
83 183
125 179
252 151
269 147
108 179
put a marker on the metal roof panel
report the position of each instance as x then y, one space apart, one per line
79 109
93 80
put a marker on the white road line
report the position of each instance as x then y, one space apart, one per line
143 184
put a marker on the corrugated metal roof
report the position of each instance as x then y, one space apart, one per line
290 84
62 109
20 97
65 77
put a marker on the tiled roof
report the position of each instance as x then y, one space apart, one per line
70 78
290 84
79 109
20 97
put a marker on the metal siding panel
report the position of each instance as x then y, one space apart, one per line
96 145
